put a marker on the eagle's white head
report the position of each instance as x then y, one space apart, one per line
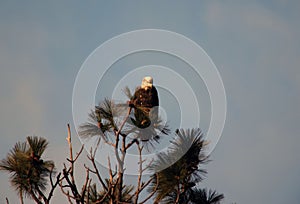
147 82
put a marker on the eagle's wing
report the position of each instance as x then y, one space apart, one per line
155 100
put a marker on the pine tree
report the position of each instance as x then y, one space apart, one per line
28 172
176 173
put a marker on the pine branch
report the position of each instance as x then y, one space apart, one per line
153 192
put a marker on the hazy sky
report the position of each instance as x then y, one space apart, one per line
254 44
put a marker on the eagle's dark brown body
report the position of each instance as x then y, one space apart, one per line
146 97
146 102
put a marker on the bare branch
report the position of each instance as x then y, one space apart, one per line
79 153
91 157
70 171
88 168
66 192
131 143
121 160
69 139
71 186
53 186
123 123
109 169
87 179
138 188
88 192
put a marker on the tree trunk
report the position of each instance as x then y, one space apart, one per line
21 197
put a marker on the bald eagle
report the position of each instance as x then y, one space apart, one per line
145 102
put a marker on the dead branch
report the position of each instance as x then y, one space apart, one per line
73 187
68 174
53 185
91 157
84 188
88 192
138 188
131 143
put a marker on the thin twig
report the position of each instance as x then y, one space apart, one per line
66 192
88 192
130 143
69 139
53 186
123 123
91 157
72 186
121 160
85 186
69 198
79 153
138 188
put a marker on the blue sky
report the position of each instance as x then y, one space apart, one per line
254 44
